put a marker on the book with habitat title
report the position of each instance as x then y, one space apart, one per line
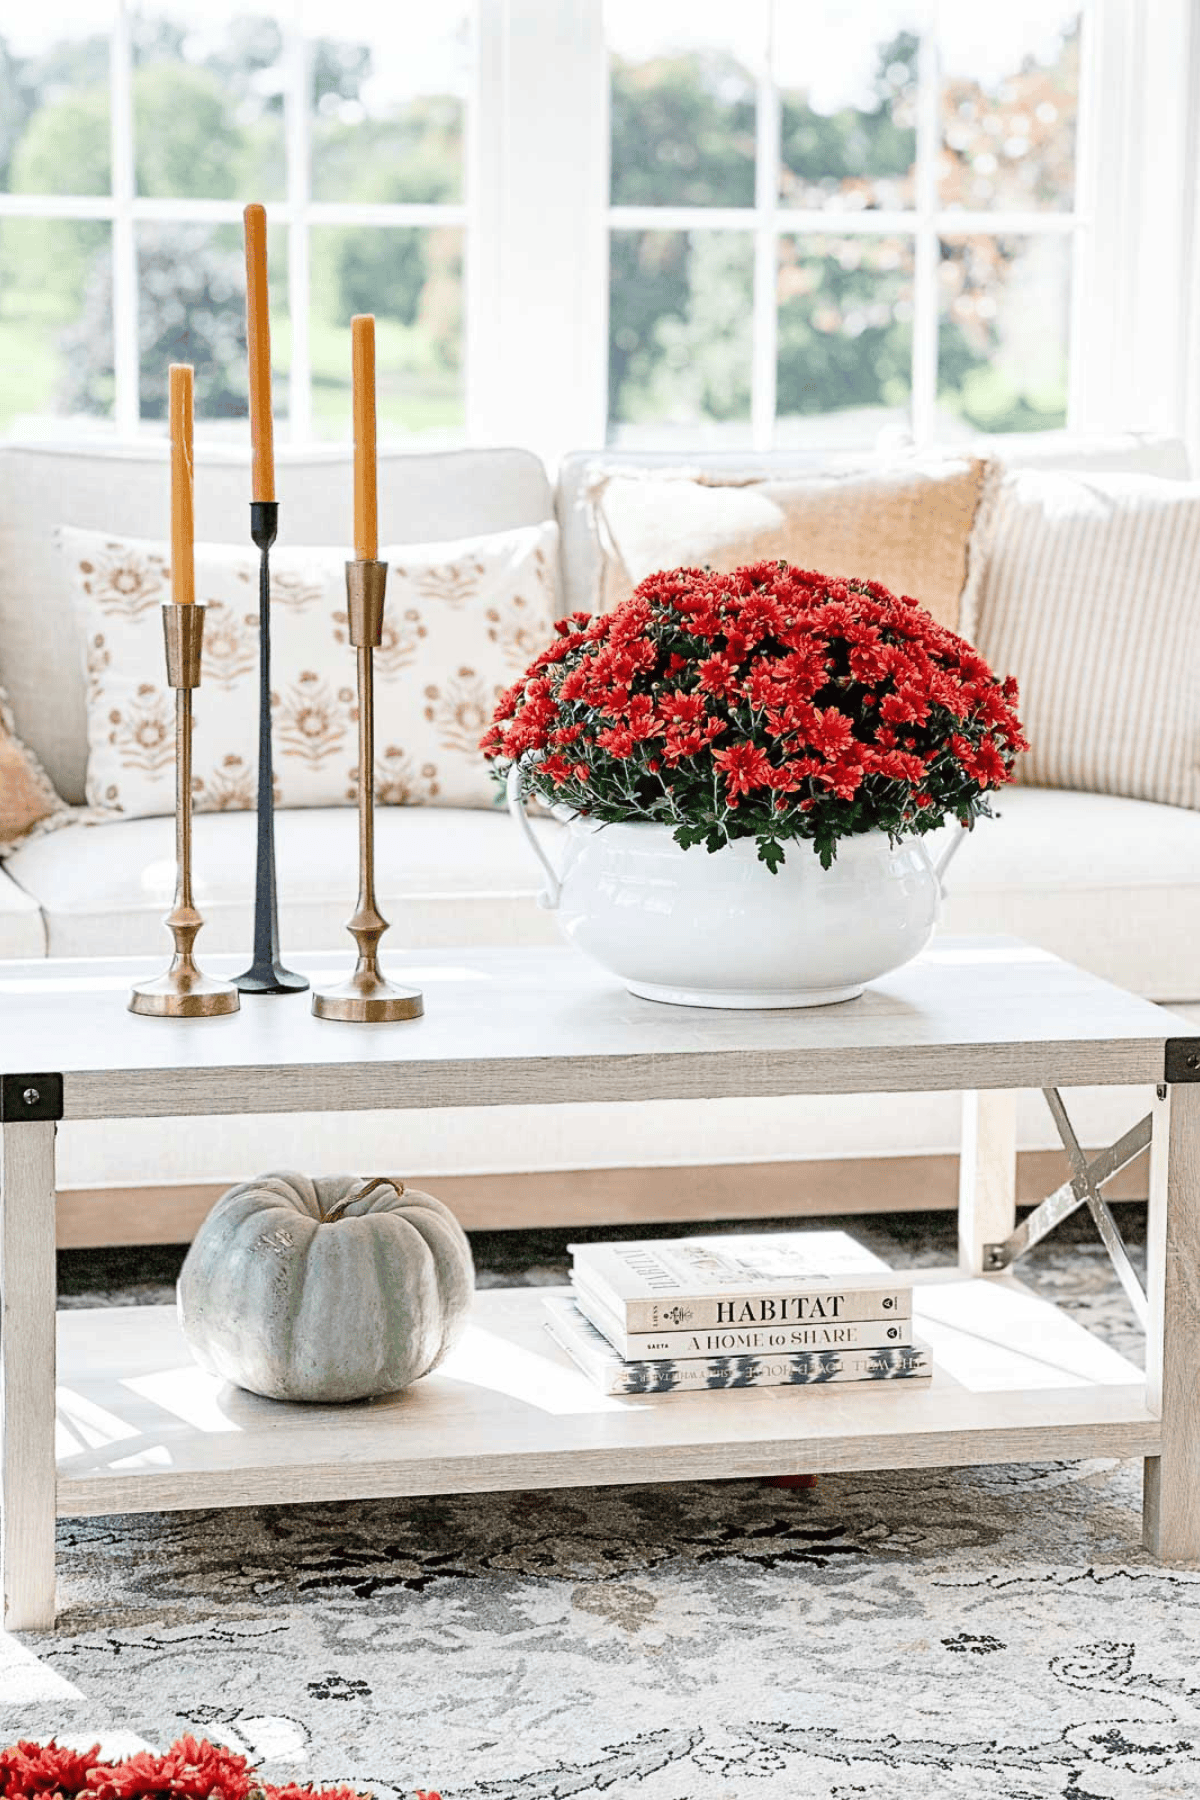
740 1278
592 1352
890 1333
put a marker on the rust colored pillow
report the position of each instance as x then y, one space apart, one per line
27 796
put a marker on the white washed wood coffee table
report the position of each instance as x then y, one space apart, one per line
139 1428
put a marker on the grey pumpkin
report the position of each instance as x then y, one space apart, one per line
328 1289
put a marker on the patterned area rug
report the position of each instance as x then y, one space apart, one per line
992 1634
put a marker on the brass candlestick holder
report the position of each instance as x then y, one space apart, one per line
367 997
184 992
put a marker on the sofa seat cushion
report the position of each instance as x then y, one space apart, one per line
445 876
1109 883
21 930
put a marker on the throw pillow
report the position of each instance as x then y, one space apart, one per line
462 621
920 527
1092 600
27 795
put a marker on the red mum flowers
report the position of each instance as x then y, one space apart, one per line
190 1770
771 702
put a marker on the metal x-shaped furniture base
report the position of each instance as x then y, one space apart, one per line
1083 1189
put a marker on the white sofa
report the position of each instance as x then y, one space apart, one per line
1113 884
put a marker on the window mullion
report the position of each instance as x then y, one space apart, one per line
296 125
126 403
766 250
545 244
925 258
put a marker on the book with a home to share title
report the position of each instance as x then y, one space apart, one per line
742 1279
612 1374
889 1333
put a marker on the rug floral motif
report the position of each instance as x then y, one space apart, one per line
986 1634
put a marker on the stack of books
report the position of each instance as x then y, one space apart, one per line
771 1309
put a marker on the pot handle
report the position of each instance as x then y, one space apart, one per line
551 893
938 869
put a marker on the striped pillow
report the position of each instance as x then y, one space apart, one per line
1092 600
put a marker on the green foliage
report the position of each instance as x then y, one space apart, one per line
682 132
65 147
187 142
683 343
191 292
416 156
825 149
679 340
66 71
841 342
212 129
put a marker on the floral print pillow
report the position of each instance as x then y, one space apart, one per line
461 622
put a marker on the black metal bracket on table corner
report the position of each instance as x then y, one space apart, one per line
1181 1061
30 1099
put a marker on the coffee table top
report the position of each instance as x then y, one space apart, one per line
531 1026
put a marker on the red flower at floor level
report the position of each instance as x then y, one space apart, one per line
192 1769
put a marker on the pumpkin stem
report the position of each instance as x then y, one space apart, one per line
372 1182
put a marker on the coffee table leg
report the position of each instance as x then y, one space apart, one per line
1171 1505
987 1176
27 1303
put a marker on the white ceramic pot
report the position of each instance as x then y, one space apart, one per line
701 929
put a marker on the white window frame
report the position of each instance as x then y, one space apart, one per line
1134 329
536 220
125 209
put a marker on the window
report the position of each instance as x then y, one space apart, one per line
137 132
749 224
833 218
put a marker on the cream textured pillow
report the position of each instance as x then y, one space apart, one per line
1092 600
462 621
27 795
919 526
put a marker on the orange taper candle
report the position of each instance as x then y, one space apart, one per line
183 563
258 340
362 364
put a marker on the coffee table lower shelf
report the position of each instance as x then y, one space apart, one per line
142 1429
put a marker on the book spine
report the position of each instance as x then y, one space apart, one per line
760 1340
709 1312
912 1362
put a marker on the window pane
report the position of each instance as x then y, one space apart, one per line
54 112
845 338
848 94
411 279
389 92
1010 99
208 101
683 101
680 306
192 308
1002 356
56 338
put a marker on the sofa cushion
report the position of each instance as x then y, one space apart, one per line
22 932
1092 600
462 621
423 498
1135 451
1109 883
921 526
27 796
444 877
